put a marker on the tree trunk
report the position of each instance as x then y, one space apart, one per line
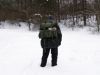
98 22
58 10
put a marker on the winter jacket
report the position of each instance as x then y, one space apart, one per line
52 42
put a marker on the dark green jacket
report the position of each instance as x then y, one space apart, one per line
52 42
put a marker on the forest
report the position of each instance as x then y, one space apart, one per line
73 11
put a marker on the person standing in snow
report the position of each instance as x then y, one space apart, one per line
50 44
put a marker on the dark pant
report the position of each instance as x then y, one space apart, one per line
54 52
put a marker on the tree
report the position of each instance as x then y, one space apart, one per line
97 12
45 7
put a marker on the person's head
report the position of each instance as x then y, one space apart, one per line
50 18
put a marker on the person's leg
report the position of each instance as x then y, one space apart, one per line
45 56
54 52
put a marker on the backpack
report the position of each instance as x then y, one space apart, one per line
48 30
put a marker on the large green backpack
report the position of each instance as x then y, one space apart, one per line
45 32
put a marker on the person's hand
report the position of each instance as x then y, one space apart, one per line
52 29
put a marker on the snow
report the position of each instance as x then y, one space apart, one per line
15 25
20 53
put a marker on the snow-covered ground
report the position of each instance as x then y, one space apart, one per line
20 54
